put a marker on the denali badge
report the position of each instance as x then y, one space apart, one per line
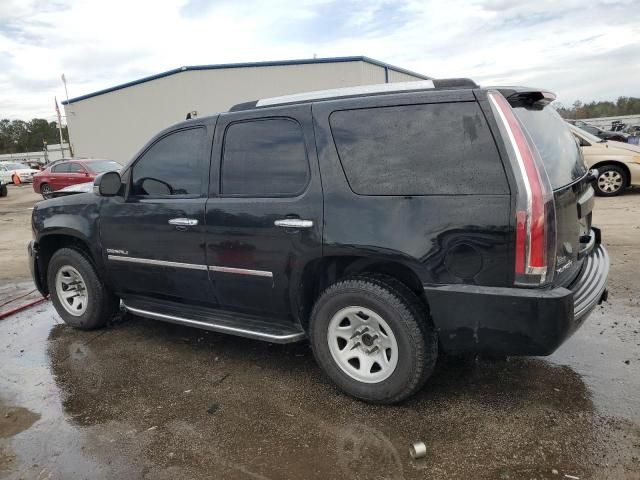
564 267
119 252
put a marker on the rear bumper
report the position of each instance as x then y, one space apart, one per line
516 321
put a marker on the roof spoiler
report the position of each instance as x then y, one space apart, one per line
527 97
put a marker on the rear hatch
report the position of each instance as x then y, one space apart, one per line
572 191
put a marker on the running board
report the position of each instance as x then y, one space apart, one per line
268 330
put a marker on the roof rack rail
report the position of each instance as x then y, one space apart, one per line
377 89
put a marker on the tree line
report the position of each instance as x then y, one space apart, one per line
18 136
579 110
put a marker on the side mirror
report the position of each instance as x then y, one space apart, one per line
107 184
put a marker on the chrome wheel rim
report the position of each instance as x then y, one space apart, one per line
362 344
71 290
610 181
45 190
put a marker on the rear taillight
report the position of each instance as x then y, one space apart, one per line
535 208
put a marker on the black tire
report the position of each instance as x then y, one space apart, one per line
101 304
4 191
46 190
409 321
605 189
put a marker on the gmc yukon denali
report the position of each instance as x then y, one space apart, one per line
386 224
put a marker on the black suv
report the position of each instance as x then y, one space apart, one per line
384 223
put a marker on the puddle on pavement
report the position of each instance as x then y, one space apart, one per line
14 420
144 399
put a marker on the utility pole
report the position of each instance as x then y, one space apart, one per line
46 153
66 93
59 127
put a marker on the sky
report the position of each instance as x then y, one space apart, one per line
587 50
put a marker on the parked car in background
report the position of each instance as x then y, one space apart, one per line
16 173
386 223
70 172
618 163
604 134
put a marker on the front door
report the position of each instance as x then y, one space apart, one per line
264 214
153 235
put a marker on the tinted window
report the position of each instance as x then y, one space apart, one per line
264 158
171 166
60 168
590 129
557 146
432 149
99 166
75 168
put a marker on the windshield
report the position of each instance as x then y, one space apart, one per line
586 135
100 166
15 166
558 148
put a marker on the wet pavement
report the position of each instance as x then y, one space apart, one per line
143 399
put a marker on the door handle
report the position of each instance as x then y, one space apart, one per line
293 223
183 222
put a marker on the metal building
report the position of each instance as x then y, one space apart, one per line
116 122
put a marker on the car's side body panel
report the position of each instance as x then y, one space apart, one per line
442 238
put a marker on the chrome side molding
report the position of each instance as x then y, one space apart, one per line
160 263
241 271
193 266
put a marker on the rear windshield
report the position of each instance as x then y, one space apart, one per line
100 166
557 146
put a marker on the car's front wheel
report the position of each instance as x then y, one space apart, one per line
46 191
373 338
77 293
611 181
4 191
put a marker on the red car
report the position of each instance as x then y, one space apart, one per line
70 172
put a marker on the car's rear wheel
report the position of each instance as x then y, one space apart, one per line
46 190
373 338
611 181
77 293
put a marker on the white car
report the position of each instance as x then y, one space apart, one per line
16 173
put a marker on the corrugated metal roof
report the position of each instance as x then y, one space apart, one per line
276 63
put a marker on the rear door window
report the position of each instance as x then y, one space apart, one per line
75 168
426 149
264 158
558 148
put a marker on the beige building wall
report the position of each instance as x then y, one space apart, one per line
117 124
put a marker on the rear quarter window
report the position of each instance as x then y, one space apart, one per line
426 149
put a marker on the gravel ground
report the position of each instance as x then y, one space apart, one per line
143 399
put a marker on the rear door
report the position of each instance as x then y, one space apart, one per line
573 194
264 214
